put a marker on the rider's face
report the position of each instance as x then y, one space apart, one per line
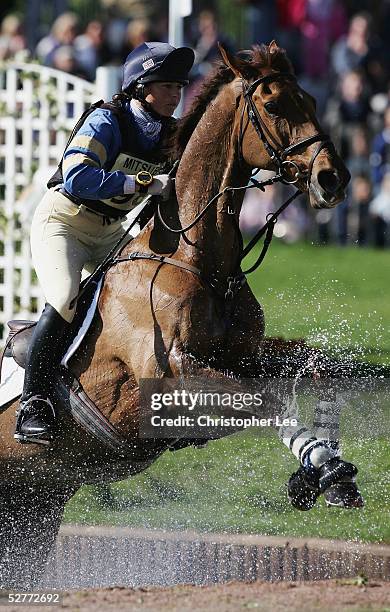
163 97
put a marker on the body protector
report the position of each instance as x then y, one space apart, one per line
131 158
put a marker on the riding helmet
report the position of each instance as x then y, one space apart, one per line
156 61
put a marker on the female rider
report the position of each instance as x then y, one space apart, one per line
115 154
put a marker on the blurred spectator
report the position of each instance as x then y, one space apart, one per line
206 46
325 21
291 14
380 156
63 32
380 211
360 202
359 162
347 110
359 166
360 49
206 51
260 18
352 215
91 49
138 31
12 40
351 52
118 14
64 58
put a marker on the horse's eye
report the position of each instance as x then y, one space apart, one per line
271 108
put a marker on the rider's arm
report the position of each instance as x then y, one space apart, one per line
94 147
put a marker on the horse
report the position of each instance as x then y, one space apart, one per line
181 308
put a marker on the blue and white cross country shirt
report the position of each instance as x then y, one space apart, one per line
100 156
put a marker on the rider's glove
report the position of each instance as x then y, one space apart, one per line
161 186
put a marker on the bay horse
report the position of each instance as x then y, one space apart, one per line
156 320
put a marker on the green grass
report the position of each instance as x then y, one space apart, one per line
335 298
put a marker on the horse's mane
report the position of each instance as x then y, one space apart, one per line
251 63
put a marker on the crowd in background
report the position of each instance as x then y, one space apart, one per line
340 51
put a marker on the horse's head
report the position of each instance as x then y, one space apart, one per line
278 129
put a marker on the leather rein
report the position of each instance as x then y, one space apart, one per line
278 155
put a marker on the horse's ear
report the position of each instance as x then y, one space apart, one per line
285 64
235 64
273 47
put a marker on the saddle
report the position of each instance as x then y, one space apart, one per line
19 336
70 395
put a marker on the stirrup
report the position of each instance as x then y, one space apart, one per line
25 410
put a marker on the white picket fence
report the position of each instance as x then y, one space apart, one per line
38 108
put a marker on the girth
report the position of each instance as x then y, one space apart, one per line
159 258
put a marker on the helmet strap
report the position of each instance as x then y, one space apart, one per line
139 94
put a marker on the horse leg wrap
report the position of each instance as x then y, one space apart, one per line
335 479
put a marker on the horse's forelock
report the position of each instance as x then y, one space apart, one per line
270 56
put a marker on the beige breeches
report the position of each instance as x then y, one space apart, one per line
65 239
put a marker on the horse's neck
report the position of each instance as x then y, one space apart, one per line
209 164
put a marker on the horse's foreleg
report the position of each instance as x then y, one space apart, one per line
317 449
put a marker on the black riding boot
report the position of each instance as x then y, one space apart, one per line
36 415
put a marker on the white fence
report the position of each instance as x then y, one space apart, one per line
38 108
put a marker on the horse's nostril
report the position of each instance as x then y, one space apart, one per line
329 180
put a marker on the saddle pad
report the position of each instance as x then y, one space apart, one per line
85 325
12 375
12 378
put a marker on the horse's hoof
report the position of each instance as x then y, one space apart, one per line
335 471
344 495
302 490
335 479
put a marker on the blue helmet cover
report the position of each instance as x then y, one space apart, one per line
157 61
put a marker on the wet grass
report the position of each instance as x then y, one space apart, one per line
334 298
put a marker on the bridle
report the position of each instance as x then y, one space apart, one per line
275 150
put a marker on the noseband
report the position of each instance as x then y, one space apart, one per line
275 150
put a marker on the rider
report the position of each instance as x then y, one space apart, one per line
116 152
